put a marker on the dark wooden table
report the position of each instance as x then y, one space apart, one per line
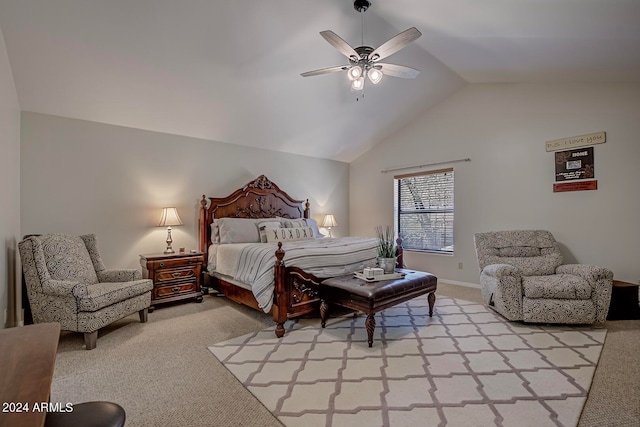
372 297
27 360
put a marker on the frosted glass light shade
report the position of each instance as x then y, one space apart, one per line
354 72
374 75
358 84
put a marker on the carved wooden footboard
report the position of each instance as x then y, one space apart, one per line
295 291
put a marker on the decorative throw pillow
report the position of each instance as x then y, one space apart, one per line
264 225
303 222
313 224
288 234
295 223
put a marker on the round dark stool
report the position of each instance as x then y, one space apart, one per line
88 414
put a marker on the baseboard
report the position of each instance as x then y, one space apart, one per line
455 282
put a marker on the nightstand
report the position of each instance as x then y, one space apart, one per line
175 276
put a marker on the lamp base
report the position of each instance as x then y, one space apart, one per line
169 249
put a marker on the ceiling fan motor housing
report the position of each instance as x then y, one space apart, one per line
364 61
361 5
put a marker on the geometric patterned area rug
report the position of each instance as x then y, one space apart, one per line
465 366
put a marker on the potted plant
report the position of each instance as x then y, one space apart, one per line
386 249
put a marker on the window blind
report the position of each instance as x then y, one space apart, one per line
423 205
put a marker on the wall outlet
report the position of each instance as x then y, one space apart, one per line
459 266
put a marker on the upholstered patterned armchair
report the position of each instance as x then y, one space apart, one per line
522 278
68 283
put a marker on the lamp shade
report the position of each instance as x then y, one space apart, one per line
169 217
329 221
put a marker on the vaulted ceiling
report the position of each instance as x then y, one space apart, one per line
229 71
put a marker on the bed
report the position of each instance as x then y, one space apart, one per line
287 276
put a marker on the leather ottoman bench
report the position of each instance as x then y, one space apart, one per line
372 297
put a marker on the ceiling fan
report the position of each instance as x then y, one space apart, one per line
363 60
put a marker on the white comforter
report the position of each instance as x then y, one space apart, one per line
252 263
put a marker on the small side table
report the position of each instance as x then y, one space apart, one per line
175 276
624 301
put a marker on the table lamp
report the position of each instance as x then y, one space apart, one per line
329 222
168 218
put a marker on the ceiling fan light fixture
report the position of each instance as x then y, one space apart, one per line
363 60
358 84
374 75
355 72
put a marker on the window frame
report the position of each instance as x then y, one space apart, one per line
448 210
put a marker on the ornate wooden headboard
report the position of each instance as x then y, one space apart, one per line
261 198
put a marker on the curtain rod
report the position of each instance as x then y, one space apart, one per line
425 165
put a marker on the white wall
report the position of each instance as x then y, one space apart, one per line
85 177
9 190
508 183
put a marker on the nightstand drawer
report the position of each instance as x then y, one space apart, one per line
168 263
175 274
174 289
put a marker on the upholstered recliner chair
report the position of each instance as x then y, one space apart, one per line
522 278
68 283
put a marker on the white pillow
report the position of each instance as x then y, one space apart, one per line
264 225
313 224
215 232
295 223
238 230
303 222
288 234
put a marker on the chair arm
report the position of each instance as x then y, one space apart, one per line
591 273
600 280
501 286
64 288
499 271
119 275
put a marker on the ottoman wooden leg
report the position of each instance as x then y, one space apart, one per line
324 312
370 324
432 301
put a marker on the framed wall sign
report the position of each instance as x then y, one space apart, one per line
574 164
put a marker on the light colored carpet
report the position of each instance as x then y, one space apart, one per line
162 373
464 366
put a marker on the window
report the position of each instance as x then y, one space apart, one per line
423 204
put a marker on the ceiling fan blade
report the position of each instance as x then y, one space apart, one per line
325 71
394 44
398 70
342 46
